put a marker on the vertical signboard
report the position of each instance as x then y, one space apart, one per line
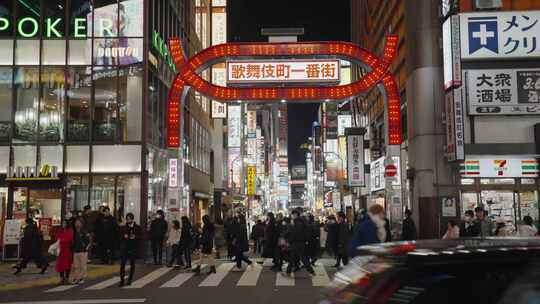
344 121
451 52
251 124
234 125
251 176
219 109
355 157
235 167
173 173
455 131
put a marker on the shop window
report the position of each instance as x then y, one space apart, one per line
80 52
80 17
53 23
46 204
6 97
77 192
107 125
469 201
6 52
54 52
528 204
79 95
6 11
130 16
24 156
102 192
52 156
117 158
20 203
131 90
27 96
27 52
77 159
128 195
105 22
51 114
28 15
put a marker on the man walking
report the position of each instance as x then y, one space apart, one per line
343 239
31 248
158 230
131 235
297 237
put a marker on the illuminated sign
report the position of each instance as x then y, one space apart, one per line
173 174
161 46
51 26
251 174
499 167
283 71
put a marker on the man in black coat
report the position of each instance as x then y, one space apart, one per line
257 235
158 230
31 248
298 237
331 228
131 235
107 230
271 236
240 241
343 239
408 227
467 227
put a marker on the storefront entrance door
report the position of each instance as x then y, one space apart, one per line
501 206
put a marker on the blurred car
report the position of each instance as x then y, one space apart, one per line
487 270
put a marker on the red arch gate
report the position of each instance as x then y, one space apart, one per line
378 75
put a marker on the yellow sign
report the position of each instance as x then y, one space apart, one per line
251 174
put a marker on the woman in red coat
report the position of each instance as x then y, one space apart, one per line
65 258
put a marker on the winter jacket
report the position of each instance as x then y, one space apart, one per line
32 241
130 236
366 232
343 239
466 229
158 228
186 236
81 240
207 238
408 230
239 236
271 236
107 229
332 236
65 258
174 237
483 228
258 231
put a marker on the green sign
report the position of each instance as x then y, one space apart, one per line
161 46
51 27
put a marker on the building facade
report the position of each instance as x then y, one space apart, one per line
84 89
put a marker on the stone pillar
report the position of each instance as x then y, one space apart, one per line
425 104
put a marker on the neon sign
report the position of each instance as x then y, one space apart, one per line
51 26
159 44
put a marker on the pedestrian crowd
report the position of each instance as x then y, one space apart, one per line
298 240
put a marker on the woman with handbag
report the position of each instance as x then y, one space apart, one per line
65 257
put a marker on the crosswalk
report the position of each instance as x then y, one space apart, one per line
165 277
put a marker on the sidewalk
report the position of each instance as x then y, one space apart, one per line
30 276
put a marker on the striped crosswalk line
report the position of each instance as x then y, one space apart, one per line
284 280
268 263
216 278
250 276
154 275
180 279
321 277
107 283
61 288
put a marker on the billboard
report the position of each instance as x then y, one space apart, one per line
451 52
234 125
455 128
499 167
500 35
283 71
503 91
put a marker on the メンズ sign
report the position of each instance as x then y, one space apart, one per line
496 35
503 91
502 167
283 71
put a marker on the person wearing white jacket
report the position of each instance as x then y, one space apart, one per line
174 241
527 229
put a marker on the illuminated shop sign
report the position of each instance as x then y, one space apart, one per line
161 46
51 26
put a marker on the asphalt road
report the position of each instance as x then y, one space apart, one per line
156 284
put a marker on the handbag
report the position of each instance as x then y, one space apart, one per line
54 249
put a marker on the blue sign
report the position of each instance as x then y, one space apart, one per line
483 33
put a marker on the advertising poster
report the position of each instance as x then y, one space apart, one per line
449 206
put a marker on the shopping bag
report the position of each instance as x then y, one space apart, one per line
54 249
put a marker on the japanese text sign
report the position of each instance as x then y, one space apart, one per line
251 174
173 172
503 91
455 129
293 71
234 126
355 160
502 167
494 35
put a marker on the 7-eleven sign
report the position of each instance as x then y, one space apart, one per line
500 166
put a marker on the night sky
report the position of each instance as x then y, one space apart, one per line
321 20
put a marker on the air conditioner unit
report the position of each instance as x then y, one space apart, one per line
488 4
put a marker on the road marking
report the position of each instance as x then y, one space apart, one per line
268 263
107 283
88 301
250 276
61 288
284 280
321 277
156 274
178 280
216 278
